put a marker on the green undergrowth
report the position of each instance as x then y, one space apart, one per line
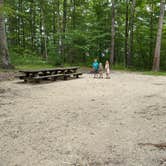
32 62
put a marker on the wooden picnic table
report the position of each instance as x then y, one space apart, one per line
45 74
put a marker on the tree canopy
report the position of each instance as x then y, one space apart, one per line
76 31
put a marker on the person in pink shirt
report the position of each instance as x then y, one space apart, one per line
107 69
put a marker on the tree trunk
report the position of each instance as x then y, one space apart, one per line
18 25
4 53
12 28
151 35
43 33
130 48
126 34
112 58
33 24
64 15
64 28
54 22
22 25
59 30
45 54
74 14
156 60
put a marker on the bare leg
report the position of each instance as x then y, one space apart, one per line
107 76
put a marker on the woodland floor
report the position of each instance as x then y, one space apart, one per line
84 122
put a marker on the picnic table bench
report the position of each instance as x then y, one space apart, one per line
49 74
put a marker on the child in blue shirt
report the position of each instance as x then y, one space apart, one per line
95 66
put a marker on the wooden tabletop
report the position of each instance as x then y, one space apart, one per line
47 70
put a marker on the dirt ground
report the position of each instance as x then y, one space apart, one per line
84 122
7 75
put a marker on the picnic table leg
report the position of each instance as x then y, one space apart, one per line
65 77
25 80
54 78
37 81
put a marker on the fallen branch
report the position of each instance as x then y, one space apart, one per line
160 145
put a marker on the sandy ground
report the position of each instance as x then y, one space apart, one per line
84 122
7 75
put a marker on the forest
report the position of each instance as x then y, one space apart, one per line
130 33
82 83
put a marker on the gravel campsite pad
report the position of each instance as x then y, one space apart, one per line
84 122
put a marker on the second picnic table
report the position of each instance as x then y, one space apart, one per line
49 74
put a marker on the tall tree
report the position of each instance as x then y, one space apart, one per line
126 33
151 28
74 13
43 30
4 53
156 60
64 23
131 34
113 33
60 50
32 23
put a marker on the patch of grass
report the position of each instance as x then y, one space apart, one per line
122 68
7 70
28 67
119 67
161 73
28 61
33 66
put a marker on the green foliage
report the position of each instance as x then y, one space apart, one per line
32 24
26 58
54 59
